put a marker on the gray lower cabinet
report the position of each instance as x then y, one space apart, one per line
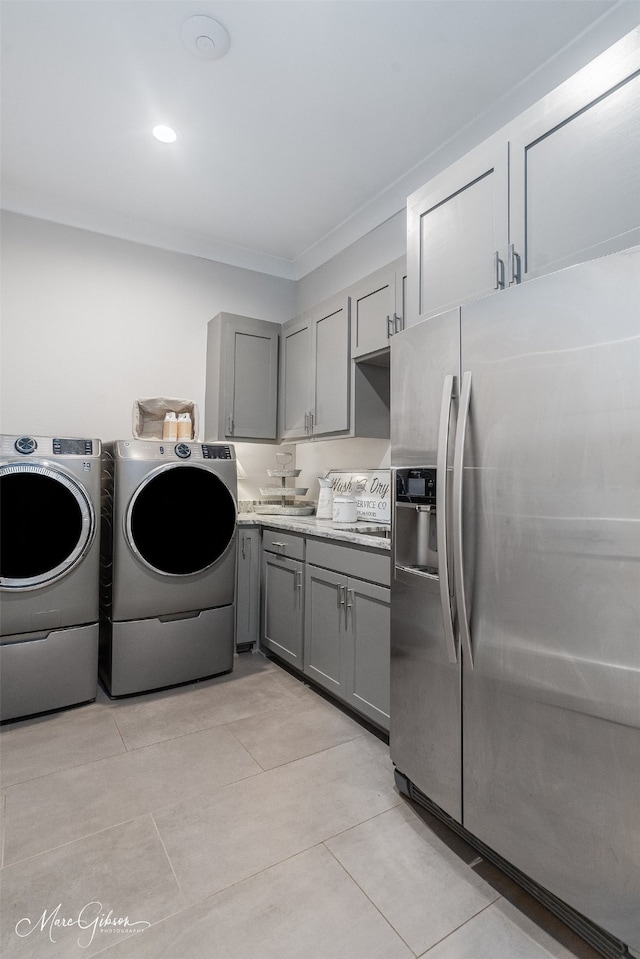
347 626
346 643
282 595
248 588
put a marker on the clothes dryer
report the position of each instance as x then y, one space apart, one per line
168 563
49 572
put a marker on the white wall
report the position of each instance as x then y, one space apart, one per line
90 323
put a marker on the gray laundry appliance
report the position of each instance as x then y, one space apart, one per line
49 573
169 514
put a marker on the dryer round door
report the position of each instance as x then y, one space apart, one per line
47 524
181 520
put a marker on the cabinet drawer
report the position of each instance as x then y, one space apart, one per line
351 561
283 544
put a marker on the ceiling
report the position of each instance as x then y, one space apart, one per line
313 128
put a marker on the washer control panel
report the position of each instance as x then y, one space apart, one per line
183 451
65 447
216 452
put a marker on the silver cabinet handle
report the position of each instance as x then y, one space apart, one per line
298 579
389 328
515 264
458 554
306 422
348 606
398 324
341 592
230 430
311 419
441 517
498 272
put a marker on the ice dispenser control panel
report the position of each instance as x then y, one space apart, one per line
417 486
415 526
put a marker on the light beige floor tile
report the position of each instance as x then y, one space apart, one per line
292 682
305 908
376 748
123 870
413 878
286 734
57 741
55 809
245 827
172 713
500 932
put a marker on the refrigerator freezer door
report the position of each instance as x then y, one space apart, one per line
551 707
425 683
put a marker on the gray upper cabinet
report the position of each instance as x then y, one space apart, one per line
575 181
241 399
457 233
330 368
558 185
295 378
377 309
314 373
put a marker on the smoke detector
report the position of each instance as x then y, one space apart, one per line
204 37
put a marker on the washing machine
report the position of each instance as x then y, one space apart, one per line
49 572
169 519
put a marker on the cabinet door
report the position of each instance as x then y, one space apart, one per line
575 180
248 589
283 607
251 375
401 298
373 304
330 371
368 617
457 233
296 393
324 638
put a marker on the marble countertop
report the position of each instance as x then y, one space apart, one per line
360 533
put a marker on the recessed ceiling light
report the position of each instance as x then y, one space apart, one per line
165 134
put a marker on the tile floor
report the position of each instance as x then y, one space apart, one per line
239 818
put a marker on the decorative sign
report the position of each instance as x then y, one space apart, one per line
373 504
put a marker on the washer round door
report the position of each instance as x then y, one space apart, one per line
47 524
181 520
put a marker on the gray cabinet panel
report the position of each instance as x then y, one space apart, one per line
248 589
252 384
575 182
373 565
241 397
368 662
296 394
324 657
283 607
331 369
457 226
377 309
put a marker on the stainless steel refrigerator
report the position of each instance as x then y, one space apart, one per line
515 601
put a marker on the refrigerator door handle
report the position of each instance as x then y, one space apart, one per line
458 555
441 517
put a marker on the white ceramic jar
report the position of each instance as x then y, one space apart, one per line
344 508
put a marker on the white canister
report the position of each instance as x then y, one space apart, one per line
344 508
